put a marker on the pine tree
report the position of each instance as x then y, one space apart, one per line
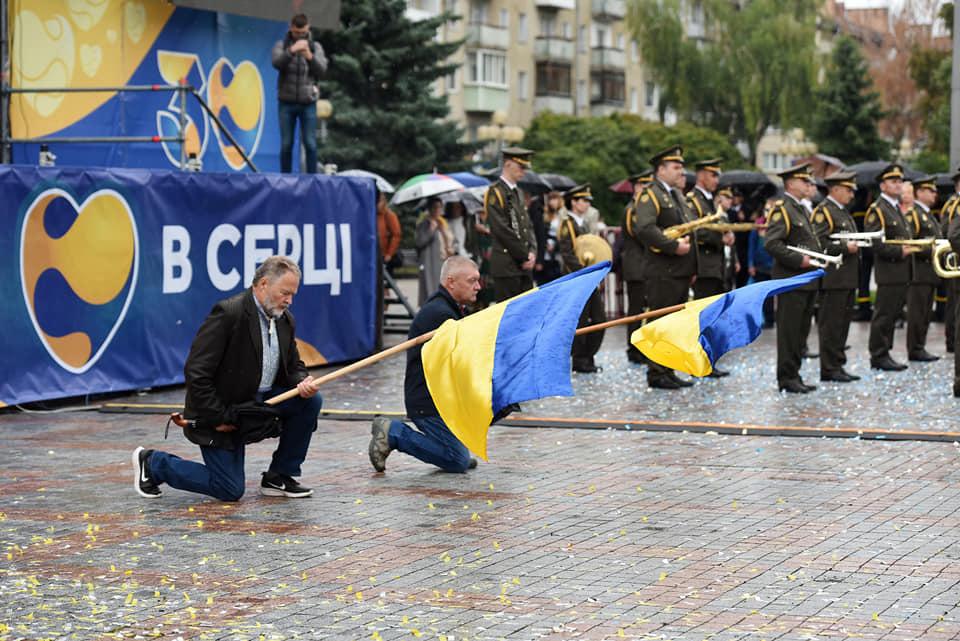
848 109
386 118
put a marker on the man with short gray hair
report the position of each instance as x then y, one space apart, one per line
244 351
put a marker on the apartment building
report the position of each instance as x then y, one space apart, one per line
524 57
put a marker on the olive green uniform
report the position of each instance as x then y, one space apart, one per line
947 213
584 347
513 240
923 281
892 273
631 268
709 248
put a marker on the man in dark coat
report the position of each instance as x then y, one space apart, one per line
245 350
948 212
299 62
789 225
838 287
891 269
670 265
631 262
923 280
432 442
514 252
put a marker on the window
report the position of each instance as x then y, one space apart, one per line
487 68
504 18
649 94
634 101
620 42
634 51
547 24
522 91
581 93
583 39
451 5
567 31
600 37
553 79
478 12
452 81
522 27
696 12
607 87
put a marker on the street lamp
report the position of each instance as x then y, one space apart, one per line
499 131
796 145
324 111
905 151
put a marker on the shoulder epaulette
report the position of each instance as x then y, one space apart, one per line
825 210
648 193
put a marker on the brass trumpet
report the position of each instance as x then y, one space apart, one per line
678 231
913 245
817 259
946 264
725 227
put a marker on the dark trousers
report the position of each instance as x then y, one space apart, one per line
221 474
833 324
289 114
704 287
636 302
585 347
434 443
664 292
794 310
768 315
886 310
950 310
505 287
919 314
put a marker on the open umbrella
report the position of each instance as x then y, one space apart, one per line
559 182
624 186
424 186
382 184
752 184
472 198
469 179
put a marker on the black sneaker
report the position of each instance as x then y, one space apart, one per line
143 481
273 484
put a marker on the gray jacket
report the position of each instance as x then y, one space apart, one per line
296 75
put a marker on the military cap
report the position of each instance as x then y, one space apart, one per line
925 182
955 176
797 171
645 176
893 170
580 191
518 155
844 178
709 165
673 153
725 191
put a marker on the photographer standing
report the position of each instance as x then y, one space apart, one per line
299 62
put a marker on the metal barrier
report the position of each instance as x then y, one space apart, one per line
183 89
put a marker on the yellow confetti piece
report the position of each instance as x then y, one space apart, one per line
189 509
416 632
792 577
474 517
358 501
663 575
199 523
405 620
359 596
449 592
209 600
875 616
376 636
620 632
431 506
445 557
303 575
490 486
496 545
639 489
489 502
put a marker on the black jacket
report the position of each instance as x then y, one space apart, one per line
226 361
438 308
510 229
656 210
890 267
789 225
830 218
709 242
922 224
297 76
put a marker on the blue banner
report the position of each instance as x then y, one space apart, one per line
107 274
111 43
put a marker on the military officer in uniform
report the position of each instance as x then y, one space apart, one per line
710 243
578 201
514 250
789 224
631 262
923 280
670 265
948 212
891 267
839 286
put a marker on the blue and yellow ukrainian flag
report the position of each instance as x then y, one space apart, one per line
692 339
515 351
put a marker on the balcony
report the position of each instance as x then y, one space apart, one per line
607 58
487 36
551 48
556 4
603 109
557 104
485 99
607 10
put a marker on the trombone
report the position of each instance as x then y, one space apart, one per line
913 245
678 231
861 238
816 258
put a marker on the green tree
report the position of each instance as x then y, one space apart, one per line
386 117
848 108
754 70
603 151
930 70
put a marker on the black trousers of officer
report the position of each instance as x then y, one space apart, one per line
636 301
794 309
586 346
505 287
950 311
919 314
664 292
833 326
706 286
886 310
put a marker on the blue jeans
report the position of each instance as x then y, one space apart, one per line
289 113
434 443
221 473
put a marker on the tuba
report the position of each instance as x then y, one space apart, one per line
945 261
591 249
